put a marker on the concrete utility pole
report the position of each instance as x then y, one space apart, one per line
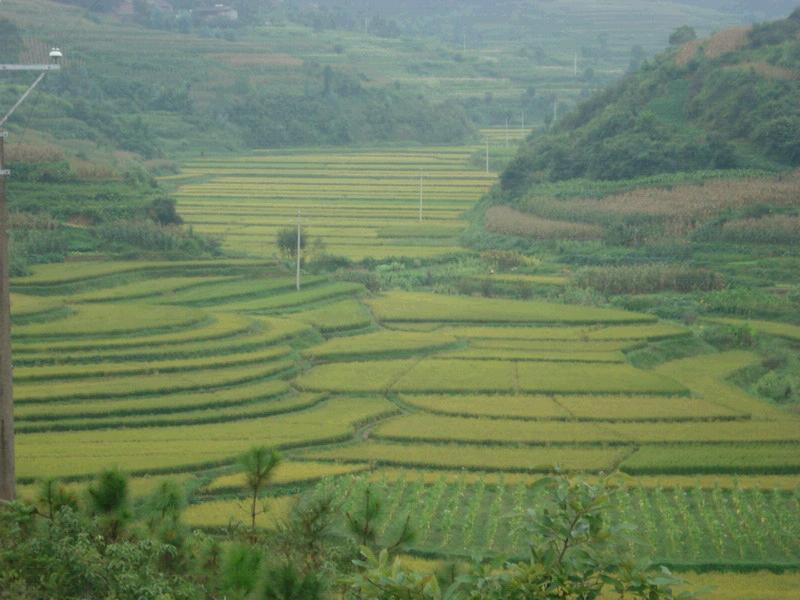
8 489
297 278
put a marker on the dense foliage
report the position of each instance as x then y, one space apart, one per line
107 546
711 109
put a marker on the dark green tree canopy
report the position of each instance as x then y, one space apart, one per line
682 35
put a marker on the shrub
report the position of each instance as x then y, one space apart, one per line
329 262
504 260
163 212
145 235
287 241
727 337
776 387
368 279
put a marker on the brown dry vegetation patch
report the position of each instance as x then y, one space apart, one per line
767 70
681 207
726 41
91 170
687 52
33 153
507 221
260 60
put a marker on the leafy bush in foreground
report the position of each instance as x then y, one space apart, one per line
55 550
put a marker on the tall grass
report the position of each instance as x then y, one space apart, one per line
506 220
647 279
681 207
772 229
149 236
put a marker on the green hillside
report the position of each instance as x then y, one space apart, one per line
156 83
726 102
675 192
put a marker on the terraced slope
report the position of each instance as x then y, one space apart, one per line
358 204
162 374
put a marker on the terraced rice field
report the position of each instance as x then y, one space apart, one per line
511 136
357 203
453 405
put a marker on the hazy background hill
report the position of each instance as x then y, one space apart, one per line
147 83
155 79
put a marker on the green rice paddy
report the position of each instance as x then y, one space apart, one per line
175 368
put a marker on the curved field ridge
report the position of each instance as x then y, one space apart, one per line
415 306
427 428
486 376
100 320
475 457
57 274
156 449
381 343
23 305
580 408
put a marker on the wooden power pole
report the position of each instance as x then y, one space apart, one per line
7 465
8 488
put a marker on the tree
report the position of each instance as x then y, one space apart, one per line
258 465
162 211
285 582
287 242
363 522
682 35
109 500
53 496
240 569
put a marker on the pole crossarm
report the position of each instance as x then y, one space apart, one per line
30 67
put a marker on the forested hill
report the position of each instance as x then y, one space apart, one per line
726 102
157 78
160 84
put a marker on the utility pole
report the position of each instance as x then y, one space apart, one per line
555 110
487 155
523 120
7 468
297 275
420 196
8 489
